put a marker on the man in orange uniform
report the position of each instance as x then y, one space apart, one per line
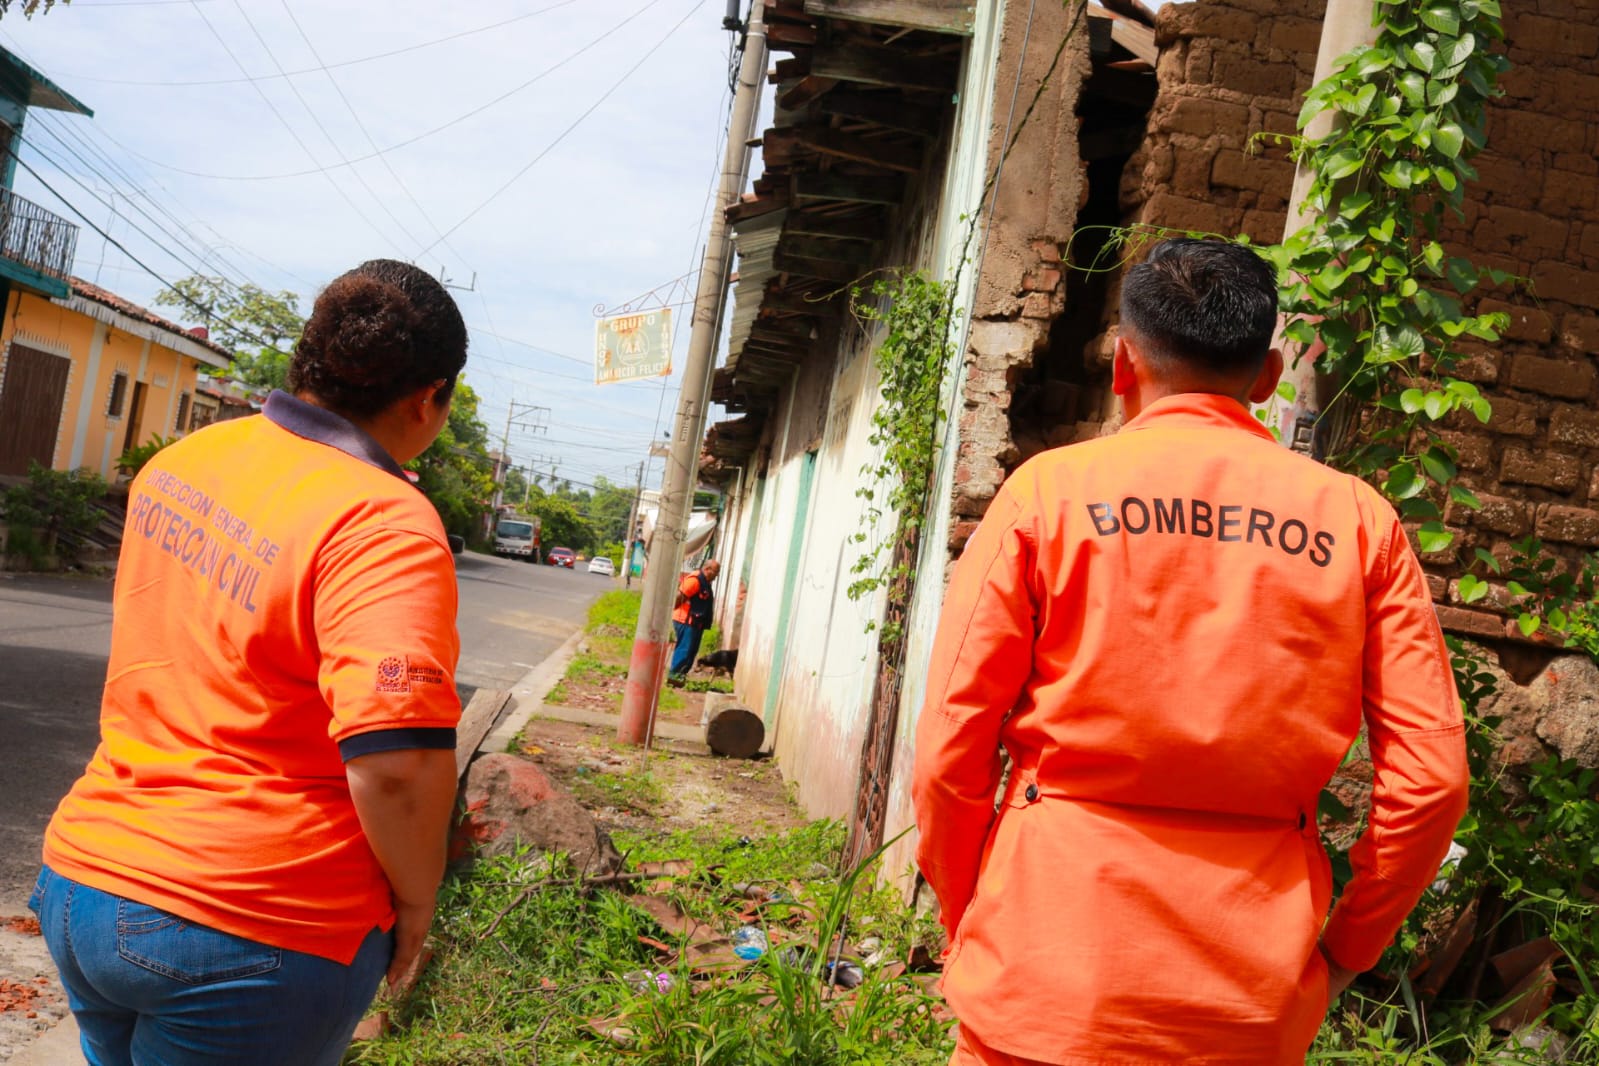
1176 632
696 602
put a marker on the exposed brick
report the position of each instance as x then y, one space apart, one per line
1575 91
959 534
1581 331
1550 470
1560 36
1045 280
1437 587
1526 323
1472 623
1503 515
1569 525
1555 280
1578 426
1245 73
1038 305
1510 180
1511 418
1443 556
1202 117
1295 35
1205 20
1570 379
1536 231
1475 449
1191 172
1477 363
1264 227
1529 129
1593 487
1235 170
1181 213
1048 251
1566 194
1575 163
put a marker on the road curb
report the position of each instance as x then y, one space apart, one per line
527 695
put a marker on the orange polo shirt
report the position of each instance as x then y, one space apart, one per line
1176 633
285 601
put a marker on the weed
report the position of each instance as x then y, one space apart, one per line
638 790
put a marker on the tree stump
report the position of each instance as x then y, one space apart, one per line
735 731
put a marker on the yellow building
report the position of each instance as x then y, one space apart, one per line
84 377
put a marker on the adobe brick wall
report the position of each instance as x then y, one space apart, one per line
1232 68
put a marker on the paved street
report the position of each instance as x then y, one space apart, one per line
55 633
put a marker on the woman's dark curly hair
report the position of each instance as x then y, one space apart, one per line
375 334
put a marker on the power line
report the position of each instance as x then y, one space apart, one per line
408 141
87 221
292 133
292 73
575 123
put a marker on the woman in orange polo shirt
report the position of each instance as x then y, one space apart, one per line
261 833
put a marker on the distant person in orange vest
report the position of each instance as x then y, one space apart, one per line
261 834
696 601
1176 633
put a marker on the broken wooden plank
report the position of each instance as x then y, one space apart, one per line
859 149
755 207
786 36
886 110
868 64
810 188
479 717
789 69
938 16
804 92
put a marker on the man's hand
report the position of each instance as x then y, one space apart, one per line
410 930
1338 977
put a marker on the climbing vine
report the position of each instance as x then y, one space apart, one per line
912 313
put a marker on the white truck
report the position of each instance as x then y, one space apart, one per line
517 536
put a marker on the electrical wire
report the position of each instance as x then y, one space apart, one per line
292 73
611 31
87 221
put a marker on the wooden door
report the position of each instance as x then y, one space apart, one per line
135 413
30 408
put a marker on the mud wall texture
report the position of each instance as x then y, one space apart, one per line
1231 69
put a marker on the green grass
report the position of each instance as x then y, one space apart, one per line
553 965
638 790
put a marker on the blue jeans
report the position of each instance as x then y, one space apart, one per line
151 989
688 646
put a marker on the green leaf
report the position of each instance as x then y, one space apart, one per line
1447 180
1422 57
1342 164
1450 138
1472 588
1433 254
1414 88
1412 400
1439 466
1363 99
1459 52
1354 204
1419 508
1528 624
1443 18
1408 287
1433 537
1487 559
1440 93
1465 497
1483 409
1286 390
1402 482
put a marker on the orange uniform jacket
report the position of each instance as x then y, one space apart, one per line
1176 632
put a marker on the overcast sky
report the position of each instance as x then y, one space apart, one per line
551 219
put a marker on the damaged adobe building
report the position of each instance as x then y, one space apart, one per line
993 144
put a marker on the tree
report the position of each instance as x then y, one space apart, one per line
260 327
456 473
30 7
609 508
563 526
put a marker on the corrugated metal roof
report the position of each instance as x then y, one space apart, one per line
756 240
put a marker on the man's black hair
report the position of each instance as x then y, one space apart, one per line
1208 304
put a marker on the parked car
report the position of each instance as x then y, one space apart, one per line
601 565
562 557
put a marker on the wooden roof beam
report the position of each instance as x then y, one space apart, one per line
823 270
859 149
870 64
867 227
937 16
884 110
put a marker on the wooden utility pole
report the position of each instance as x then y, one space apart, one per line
652 638
1346 26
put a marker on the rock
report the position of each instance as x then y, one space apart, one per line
1566 696
510 802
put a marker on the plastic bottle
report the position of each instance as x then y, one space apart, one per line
749 942
642 981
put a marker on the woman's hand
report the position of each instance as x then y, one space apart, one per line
410 931
1338 977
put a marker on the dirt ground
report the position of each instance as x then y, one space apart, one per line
675 786
604 694
31 1000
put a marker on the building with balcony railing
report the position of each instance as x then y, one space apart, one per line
36 245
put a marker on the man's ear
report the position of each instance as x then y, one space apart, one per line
1123 378
1265 383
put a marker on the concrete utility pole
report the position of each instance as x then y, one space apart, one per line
652 638
502 465
1346 26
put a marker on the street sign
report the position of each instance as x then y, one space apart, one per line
632 346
